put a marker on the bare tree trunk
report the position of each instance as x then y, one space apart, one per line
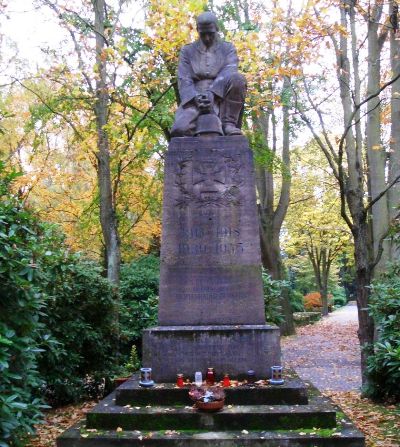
357 82
271 219
108 217
270 249
353 193
394 157
321 265
376 154
363 280
324 281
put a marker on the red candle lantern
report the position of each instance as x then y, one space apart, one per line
226 381
179 380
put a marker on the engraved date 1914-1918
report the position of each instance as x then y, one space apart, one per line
211 232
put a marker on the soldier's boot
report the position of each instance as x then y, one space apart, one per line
230 114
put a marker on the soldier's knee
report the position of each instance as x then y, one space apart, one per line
178 130
182 127
237 80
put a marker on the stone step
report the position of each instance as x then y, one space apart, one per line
345 435
107 415
291 393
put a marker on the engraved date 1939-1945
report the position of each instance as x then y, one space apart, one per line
210 249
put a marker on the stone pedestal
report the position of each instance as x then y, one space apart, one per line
210 247
211 310
229 349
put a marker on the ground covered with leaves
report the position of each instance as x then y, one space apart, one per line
380 423
327 353
57 421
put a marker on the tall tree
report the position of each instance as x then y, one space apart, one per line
99 89
394 154
108 217
376 154
268 64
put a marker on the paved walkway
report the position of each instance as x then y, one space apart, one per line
328 352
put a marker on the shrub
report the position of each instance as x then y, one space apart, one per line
140 279
312 301
138 300
56 331
22 240
296 300
383 367
339 297
272 298
81 316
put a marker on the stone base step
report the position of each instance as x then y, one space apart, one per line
343 436
163 416
292 392
107 415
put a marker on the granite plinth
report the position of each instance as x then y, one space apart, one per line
170 350
210 247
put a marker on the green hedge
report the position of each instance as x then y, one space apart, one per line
138 300
57 332
384 365
23 241
81 317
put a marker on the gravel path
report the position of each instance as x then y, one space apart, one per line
327 353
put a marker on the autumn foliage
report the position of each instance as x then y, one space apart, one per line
312 301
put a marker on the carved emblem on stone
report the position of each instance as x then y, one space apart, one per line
209 182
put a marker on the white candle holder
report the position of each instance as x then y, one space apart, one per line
198 379
145 378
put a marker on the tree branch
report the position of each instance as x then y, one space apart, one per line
380 245
78 134
381 194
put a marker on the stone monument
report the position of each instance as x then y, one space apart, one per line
211 311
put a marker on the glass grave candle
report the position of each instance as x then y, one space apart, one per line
210 376
276 375
198 379
179 380
226 381
145 378
251 376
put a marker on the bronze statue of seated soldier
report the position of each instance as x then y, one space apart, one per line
209 84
